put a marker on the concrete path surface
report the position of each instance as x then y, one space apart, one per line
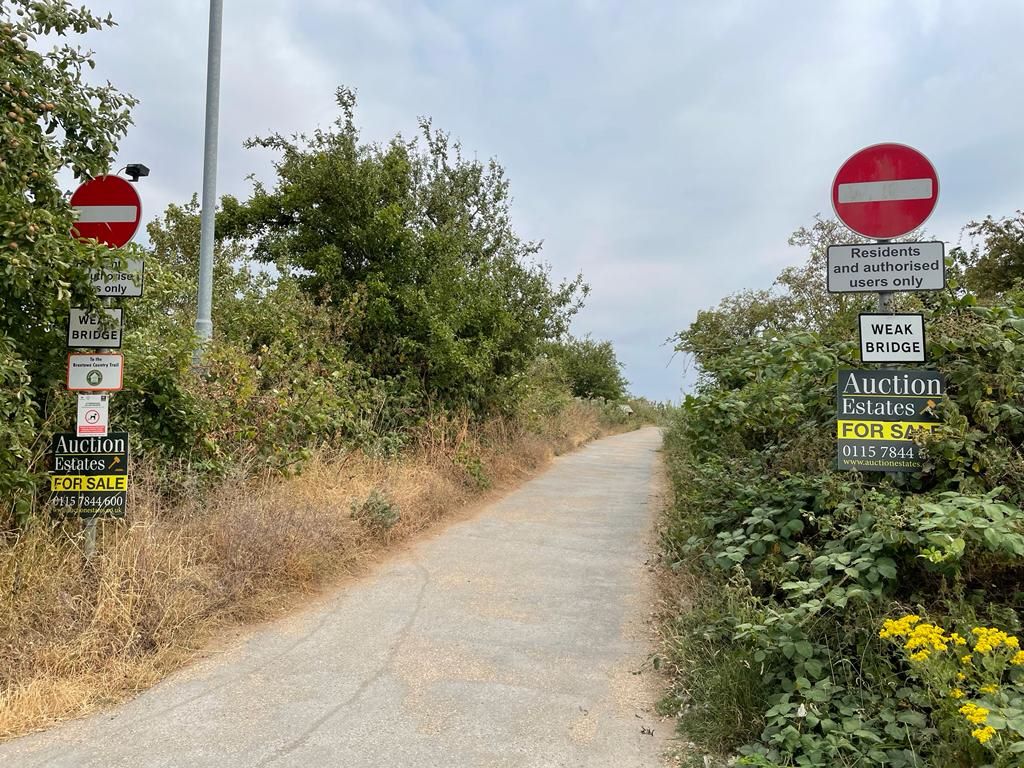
512 639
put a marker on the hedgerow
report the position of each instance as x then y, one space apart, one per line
365 290
780 660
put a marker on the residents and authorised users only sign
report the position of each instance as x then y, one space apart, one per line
881 413
896 267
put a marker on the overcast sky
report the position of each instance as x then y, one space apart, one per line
665 149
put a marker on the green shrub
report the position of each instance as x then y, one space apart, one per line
54 120
370 288
376 513
453 302
591 368
803 563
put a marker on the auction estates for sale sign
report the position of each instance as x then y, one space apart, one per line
879 415
90 474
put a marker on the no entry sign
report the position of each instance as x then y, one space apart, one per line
885 191
108 209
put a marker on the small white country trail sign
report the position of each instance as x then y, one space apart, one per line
95 373
888 338
88 330
93 415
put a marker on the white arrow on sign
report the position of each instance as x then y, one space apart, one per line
880 191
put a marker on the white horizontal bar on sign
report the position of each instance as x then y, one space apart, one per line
113 214
879 191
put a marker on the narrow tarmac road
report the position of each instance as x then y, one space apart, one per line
513 640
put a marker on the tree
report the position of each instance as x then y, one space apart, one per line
798 301
591 368
454 304
996 264
51 119
809 305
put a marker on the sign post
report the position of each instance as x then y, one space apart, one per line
883 192
89 330
116 284
886 267
90 475
95 373
93 416
888 338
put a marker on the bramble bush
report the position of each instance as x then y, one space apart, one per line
780 659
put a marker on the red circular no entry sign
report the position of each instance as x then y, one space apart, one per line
108 209
885 191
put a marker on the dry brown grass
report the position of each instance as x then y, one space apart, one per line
75 636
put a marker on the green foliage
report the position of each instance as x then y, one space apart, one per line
277 380
376 513
804 562
545 391
591 368
651 412
973 683
797 303
51 119
452 303
370 289
994 263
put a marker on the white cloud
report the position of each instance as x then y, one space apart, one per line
664 149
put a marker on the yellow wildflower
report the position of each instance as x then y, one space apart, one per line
1018 658
960 677
975 715
898 627
965 659
921 655
983 734
990 638
926 636
958 639
956 693
990 688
